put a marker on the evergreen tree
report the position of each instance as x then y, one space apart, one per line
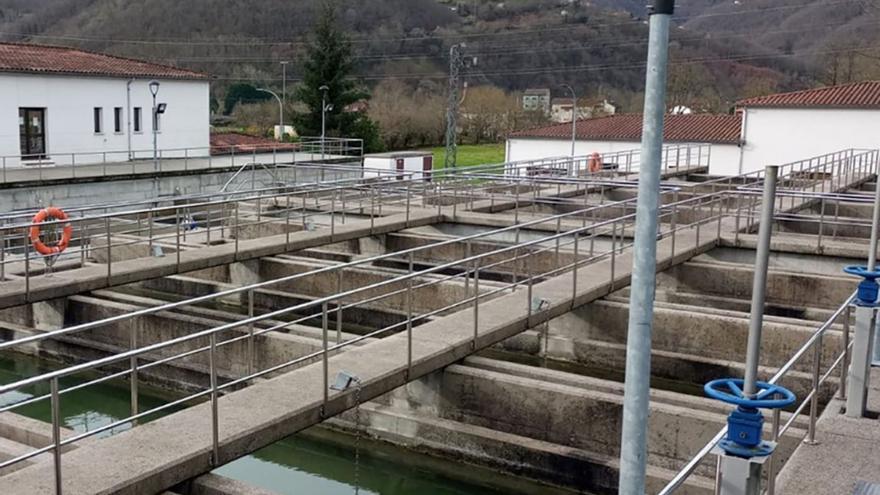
329 63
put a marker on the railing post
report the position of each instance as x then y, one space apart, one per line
574 272
339 304
409 316
109 252
250 344
177 236
325 356
133 362
238 232
215 426
844 366
814 400
476 307
56 433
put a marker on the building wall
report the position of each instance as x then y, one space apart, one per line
724 159
69 103
413 164
775 136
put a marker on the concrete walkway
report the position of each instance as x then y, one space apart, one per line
92 277
49 172
852 444
158 455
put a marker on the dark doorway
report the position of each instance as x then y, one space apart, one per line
32 131
400 168
427 166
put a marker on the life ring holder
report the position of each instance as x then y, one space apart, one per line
50 252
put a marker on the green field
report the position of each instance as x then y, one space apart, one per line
471 154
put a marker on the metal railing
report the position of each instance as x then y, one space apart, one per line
582 245
778 429
700 217
100 230
674 158
79 164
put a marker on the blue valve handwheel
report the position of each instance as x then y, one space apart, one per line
730 390
862 271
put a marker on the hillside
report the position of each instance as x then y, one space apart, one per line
719 54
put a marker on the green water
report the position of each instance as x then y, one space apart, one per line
315 462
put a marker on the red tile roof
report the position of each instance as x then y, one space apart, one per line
698 128
41 59
224 142
864 94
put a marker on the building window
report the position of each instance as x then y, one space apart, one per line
157 121
99 120
138 116
117 120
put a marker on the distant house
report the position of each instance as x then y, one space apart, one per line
534 100
560 109
624 132
62 105
786 127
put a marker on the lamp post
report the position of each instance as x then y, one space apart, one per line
324 108
283 93
280 111
154 90
574 109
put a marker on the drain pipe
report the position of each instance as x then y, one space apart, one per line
633 445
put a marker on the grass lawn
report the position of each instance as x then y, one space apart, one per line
471 154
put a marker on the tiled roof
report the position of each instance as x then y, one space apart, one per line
223 143
697 128
856 95
41 59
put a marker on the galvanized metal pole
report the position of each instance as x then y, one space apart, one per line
872 259
864 339
633 448
759 282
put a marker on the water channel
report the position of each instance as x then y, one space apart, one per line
316 461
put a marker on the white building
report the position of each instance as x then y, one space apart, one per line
534 100
624 132
61 105
787 127
561 109
414 163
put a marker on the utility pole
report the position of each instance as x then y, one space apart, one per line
455 65
574 119
283 94
633 445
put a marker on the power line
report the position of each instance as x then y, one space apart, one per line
593 67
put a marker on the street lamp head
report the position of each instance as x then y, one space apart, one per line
324 88
154 87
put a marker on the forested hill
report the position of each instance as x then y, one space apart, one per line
722 50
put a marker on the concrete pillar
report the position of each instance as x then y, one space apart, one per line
372 246
48 315
422 395
244 273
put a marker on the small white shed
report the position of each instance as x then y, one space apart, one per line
399 162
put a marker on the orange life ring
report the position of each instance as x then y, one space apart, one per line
595 163
66 234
